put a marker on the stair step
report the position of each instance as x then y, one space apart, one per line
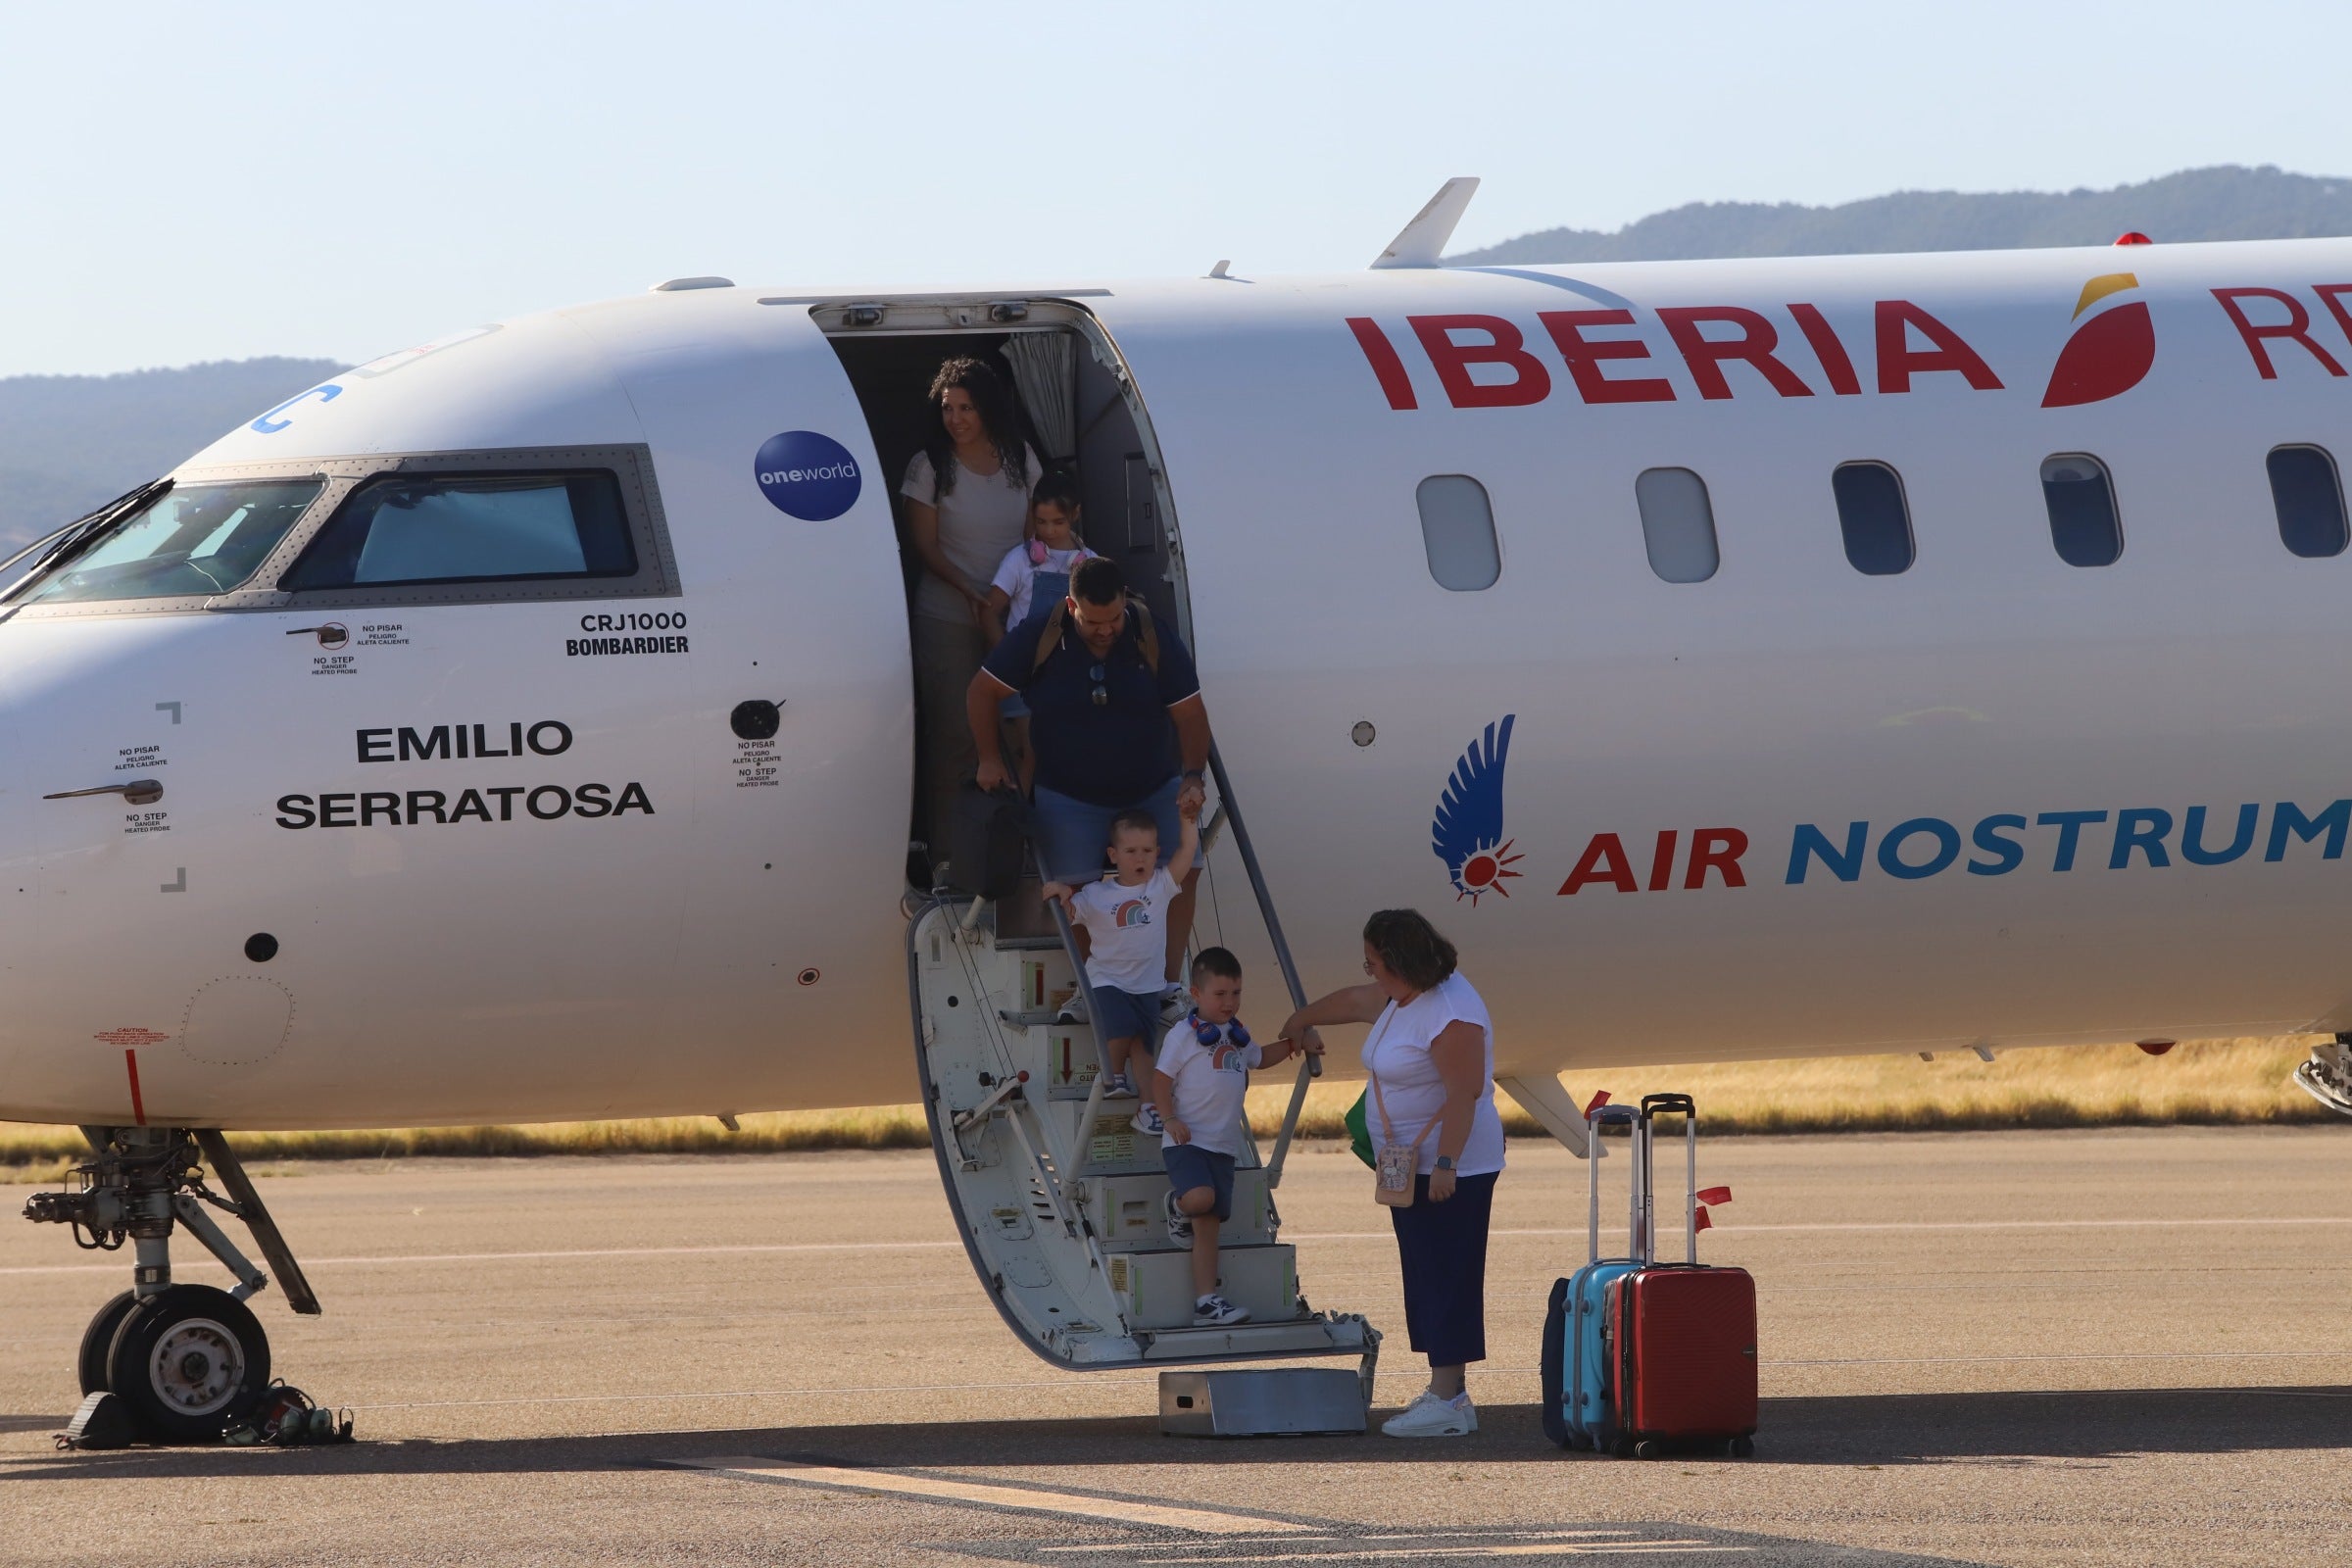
1065 1213
1306 1336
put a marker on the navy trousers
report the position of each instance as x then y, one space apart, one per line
1443 1248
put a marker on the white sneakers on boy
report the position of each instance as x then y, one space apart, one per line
1117 1086
1148 1122
1429 1416
1074 1010
1213 1312
1180 1224
1175 1004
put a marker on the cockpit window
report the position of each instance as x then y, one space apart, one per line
192 540
458 528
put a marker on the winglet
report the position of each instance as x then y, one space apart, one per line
1423 240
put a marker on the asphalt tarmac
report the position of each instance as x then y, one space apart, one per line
2124 1347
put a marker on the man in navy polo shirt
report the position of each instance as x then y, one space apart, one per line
1111 733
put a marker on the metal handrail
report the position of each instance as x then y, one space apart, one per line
1309 1067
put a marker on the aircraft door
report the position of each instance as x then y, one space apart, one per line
798 731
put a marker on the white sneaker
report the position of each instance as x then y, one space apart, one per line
1213 1312
1180 1224
1429 1416
1074 1010
1147 1121
1175 1006
1117 1087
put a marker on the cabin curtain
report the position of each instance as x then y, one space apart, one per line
1045 367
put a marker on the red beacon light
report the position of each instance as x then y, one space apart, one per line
2133 236
2154 1048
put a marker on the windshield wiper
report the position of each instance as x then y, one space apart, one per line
56 549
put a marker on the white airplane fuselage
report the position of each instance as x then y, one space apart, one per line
1995 798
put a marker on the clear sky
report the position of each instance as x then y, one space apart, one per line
183 182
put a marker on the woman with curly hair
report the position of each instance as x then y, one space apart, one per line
968 503
1431 1061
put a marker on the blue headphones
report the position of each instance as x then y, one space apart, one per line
1207 1033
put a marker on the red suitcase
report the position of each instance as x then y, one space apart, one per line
1683 1335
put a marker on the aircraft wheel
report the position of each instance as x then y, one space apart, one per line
191 1363
99 1338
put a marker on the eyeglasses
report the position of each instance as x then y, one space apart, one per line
1102 693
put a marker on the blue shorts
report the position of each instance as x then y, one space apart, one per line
1127 1015
1073 838
1190 1168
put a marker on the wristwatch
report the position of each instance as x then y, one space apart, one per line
1445 1162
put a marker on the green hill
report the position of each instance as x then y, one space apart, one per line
2196 204
69 442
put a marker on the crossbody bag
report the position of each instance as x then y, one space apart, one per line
1398 1163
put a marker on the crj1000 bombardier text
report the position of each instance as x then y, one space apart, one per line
1744 658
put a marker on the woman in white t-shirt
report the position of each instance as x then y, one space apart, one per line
1431 1061
968 503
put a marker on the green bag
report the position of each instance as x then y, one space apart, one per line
1359 1132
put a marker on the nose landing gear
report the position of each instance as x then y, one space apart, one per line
2328 1076
189 1361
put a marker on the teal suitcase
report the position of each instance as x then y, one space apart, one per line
1579 1410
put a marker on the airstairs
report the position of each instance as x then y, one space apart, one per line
1059 1198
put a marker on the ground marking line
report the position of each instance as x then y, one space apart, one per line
1118 1381
1531 1549
552 1254
1027 1499
1375 1538
747 1249
1107 1381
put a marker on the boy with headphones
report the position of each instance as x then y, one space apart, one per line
1203 1072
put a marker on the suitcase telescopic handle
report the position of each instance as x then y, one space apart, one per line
1652 1105
1594 1121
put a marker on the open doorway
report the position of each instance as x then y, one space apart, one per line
1078 411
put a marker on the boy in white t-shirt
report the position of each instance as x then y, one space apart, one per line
1033 577
1202 1074
1125 916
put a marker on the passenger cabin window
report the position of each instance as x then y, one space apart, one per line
458 528
193 540
1458 530
2081 499
1874 517
2309 501
1678 525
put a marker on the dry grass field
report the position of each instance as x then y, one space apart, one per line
2220 1081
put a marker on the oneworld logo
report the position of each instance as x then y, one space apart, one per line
807 476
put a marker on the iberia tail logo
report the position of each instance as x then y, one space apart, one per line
1467 831
2111 348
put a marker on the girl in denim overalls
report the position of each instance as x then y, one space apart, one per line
1035 576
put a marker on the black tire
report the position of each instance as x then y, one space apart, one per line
191 1363
98 1339
1744 1447
1647 1448
1622 1449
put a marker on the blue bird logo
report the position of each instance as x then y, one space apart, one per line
1467 831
